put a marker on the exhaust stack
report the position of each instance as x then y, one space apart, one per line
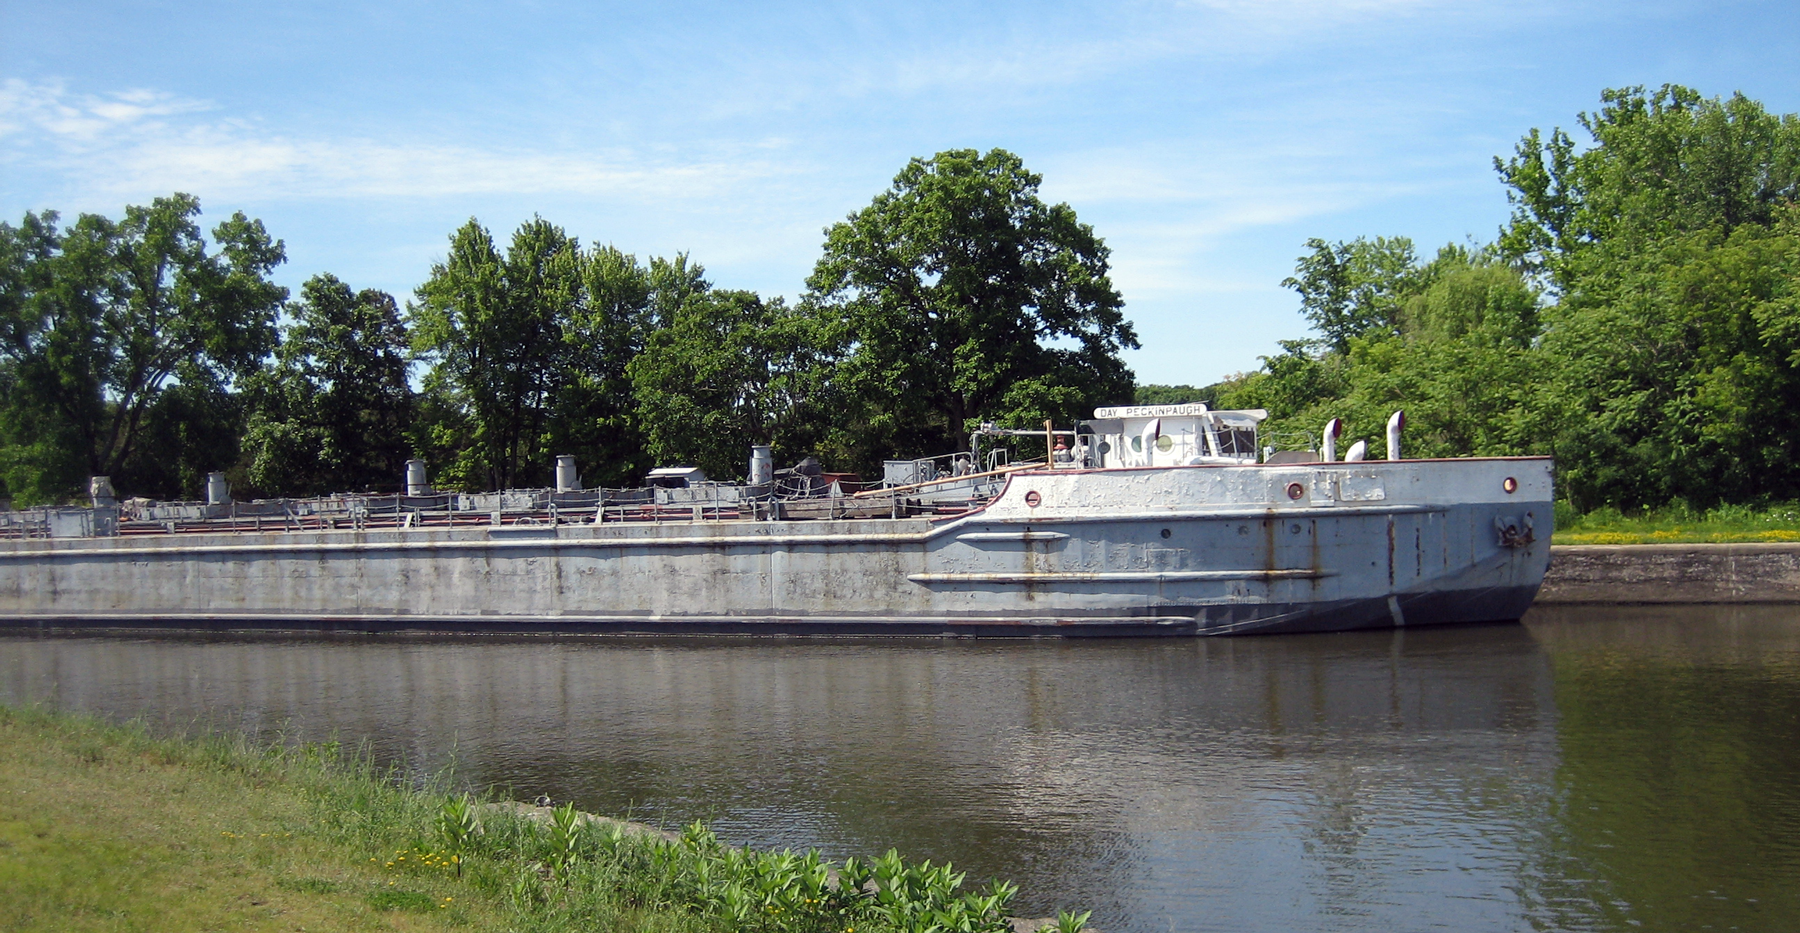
1328 440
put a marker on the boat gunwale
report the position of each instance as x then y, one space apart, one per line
40 548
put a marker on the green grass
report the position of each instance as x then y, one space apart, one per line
106 827
1678 523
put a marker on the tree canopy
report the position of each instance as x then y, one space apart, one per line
1355 288
1637 316
967 298
729 370
334 409
491 328
1659 164
111 331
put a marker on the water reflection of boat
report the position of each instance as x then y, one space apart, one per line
1156 521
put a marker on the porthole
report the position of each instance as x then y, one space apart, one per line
1166 532
1511 485
1165 443
1295 490
1032 499
1137 445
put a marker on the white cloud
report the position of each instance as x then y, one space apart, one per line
143 140
1235 189
906 55
83 119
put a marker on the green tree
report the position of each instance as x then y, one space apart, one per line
1659 164
493 329
1675 372
42 456
965 298
1669 241
1168 395
1471 295
334 410
103 319
1638 317
529 354
192 429
1355 288
595 412
1453 346
731 370
599 416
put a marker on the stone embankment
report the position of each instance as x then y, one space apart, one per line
1672 573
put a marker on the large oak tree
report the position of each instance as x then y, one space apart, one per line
965 297
333 412
114 331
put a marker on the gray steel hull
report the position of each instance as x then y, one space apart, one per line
1176 551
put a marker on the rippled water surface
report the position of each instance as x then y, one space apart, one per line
1614 769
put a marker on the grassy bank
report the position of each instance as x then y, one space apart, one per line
108 828
1679 524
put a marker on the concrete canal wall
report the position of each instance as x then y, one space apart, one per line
1672 573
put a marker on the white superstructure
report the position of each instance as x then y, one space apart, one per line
1173 435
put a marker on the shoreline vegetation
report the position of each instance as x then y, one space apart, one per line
1679 523
1637 317
107 827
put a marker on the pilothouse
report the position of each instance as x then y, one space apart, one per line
1170 435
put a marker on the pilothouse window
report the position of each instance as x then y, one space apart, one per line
1237 442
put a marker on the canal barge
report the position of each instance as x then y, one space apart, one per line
1155 520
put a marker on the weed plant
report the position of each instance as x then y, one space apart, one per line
572 871
458 826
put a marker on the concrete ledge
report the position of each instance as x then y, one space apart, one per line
1672 573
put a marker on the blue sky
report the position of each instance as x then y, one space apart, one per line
1204 140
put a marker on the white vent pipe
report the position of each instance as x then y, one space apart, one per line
1396 421
416 484
762 465
218 491
1328 440
568 479
1358 451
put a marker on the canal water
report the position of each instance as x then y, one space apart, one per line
1592 769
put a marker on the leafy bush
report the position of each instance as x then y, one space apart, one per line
573 863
